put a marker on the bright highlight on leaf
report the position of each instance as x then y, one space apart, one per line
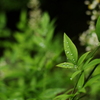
70 50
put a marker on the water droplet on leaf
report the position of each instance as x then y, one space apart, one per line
70 78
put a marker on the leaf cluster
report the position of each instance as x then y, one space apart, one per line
84 67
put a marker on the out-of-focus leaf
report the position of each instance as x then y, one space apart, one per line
62 97
51 29
45 20
51 93
39 41
23 18
2 20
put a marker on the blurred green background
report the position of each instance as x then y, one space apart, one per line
31 45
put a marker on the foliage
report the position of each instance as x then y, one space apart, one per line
27 68
84 68
27 65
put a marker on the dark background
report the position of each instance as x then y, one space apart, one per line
70 14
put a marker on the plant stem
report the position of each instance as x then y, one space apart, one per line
92 54
85 80
90 75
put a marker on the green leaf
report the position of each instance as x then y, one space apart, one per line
63 97
81 81
86 63
82 58
23 18
70 49
92 63
75 73
45 20
66 65
2 20
51 93
38 40
50 32
92 80
98 28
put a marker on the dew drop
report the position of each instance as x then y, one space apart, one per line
70 78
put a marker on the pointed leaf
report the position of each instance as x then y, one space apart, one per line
51 93
92 63
66 65
44 22
86 63
82 58
92 80
98 28
75 73
81 81
70 49
63 97
51 28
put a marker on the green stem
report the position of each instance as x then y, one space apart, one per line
88 79
90 75
91 55
85 80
